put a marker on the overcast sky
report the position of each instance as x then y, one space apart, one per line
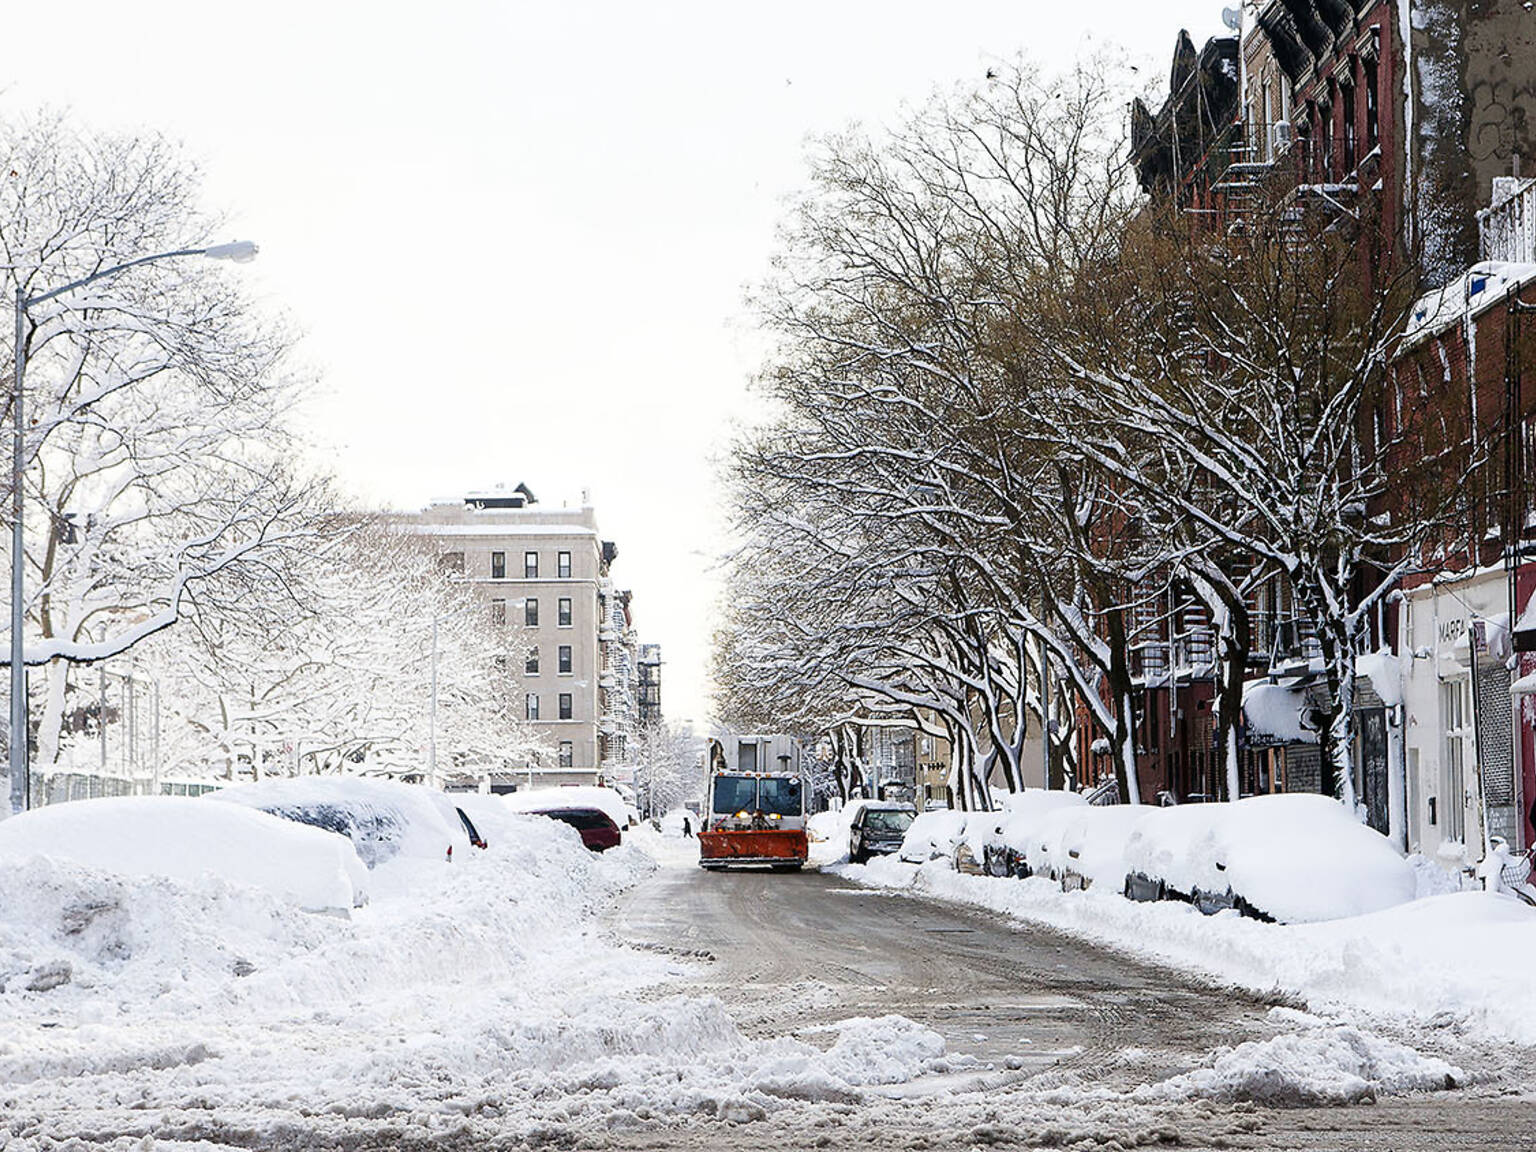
517 236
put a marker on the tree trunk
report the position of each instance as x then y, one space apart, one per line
1231 671
50 721
1339 731
1123 739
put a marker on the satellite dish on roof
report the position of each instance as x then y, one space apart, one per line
1232 18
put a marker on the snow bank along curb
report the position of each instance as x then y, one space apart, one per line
1445 958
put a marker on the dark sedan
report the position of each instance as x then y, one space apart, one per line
877 829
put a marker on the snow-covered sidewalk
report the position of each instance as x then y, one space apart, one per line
1461 959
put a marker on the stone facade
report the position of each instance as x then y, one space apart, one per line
543 574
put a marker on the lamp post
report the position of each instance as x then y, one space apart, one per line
241 252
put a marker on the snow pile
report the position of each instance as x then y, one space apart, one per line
1323 1065
383 819
495 820
885 1050
73 932
1296 857
479 988
830 827
189 839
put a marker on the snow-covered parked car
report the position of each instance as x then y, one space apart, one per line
604 800
934 835
382 818
878 828
189 839
1002 843
1294 857
1091 845
1045 852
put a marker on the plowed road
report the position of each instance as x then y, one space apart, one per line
1058 1031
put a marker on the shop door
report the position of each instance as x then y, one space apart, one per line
1373 766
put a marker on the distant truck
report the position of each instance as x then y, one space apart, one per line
754 804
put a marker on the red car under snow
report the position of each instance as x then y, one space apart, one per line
598 831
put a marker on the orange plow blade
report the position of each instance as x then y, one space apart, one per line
753 847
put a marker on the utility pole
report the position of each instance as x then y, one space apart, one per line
432 715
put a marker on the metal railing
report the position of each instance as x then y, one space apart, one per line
1507 229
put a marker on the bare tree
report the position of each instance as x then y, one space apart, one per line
157 400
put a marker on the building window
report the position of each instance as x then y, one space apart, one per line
565 705
498 565
531 665
1455 723
532 706
451 562
567 755
530 565
565 659
498 612
1372 114
563 612
563 565
1347 95
531 612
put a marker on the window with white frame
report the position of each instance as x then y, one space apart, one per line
564 657
531 612
563 565
530 565
565 705
531 665
563 612
567 754
532 706
498 612
498 565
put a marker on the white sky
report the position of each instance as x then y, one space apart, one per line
518 236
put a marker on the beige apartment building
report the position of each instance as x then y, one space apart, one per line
544 576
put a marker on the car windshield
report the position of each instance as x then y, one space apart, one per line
779 795
887 821
735 794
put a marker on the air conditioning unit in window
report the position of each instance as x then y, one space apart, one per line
1280 137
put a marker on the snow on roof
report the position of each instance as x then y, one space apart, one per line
1478 289
507 527
1385 673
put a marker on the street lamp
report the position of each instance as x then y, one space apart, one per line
240 252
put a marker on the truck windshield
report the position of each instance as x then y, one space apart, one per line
779 795
735 794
